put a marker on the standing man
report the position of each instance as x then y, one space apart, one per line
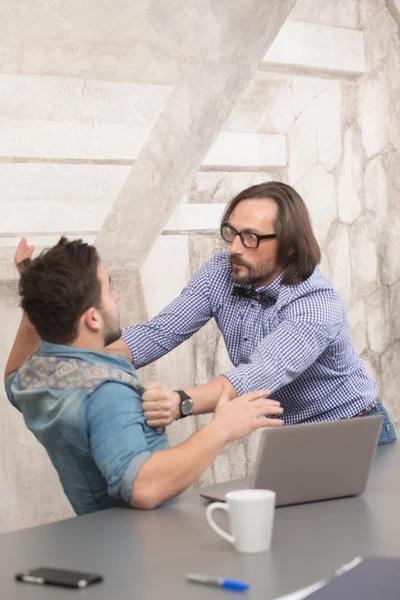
283 323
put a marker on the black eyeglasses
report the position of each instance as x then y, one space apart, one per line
248 238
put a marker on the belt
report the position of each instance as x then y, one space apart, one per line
368 409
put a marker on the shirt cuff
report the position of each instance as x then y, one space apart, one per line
123 489
129 336
238 379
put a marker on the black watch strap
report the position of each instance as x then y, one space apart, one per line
186 405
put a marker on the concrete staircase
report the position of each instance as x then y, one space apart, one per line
259 140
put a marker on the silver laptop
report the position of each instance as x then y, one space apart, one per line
309 462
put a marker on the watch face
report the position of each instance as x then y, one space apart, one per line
187 407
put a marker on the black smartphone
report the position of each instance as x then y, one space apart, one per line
60 577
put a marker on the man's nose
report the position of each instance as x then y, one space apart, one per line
236 246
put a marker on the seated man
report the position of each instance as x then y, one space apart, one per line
84 405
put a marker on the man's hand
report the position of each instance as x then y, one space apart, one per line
23 252
169 472
160 405
244 414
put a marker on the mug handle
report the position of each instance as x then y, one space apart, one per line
222 506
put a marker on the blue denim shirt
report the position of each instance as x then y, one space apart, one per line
84 408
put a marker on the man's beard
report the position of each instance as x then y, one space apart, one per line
112 336
252 275
112 331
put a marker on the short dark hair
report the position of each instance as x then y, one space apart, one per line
58 286
298 250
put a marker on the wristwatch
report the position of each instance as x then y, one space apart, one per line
186 405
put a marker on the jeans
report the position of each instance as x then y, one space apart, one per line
388 432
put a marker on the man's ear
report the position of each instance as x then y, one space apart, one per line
92 319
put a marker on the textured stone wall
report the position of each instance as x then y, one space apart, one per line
343 150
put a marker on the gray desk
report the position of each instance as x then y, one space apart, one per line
145 555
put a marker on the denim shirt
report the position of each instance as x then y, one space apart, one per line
85 408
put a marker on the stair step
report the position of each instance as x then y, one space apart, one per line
66 118
9 243
42 239
335 13
233 151
221 186
306 47
53 197
192 218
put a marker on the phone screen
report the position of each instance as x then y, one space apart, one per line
60 577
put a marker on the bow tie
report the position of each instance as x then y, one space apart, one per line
251 293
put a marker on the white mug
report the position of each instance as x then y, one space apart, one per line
251 518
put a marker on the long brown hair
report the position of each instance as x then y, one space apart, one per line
298 250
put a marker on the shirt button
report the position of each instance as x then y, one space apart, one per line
246 339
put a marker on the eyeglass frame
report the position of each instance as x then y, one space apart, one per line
269 236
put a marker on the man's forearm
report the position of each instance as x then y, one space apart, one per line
168 473
161 405
206 396
25 343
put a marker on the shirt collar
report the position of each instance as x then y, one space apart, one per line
272 289
72 352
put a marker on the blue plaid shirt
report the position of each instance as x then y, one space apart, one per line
295 343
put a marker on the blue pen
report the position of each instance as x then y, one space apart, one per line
227 584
